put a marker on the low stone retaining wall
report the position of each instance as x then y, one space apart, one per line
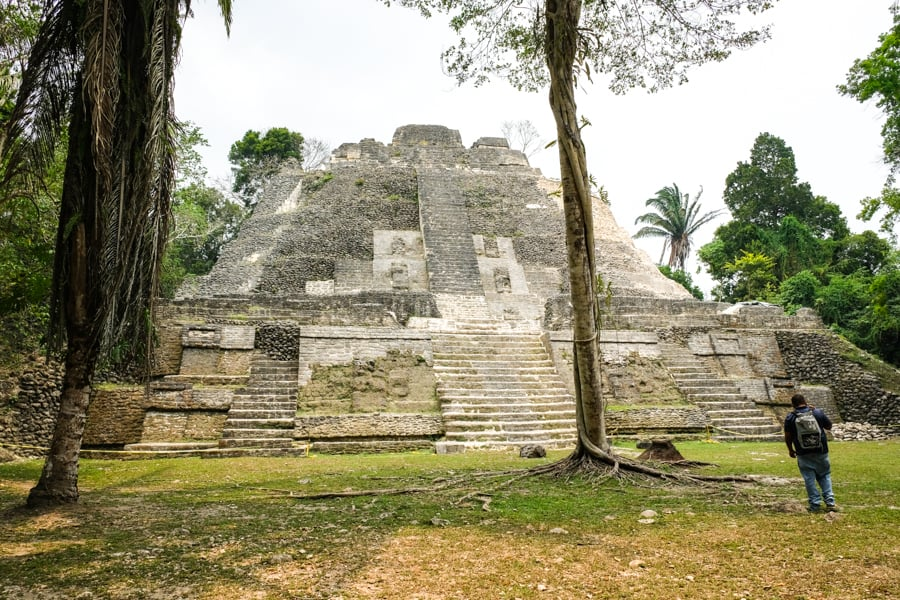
182 425
337 427
643 422
115 416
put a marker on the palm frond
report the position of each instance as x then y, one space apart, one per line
102 31
32 132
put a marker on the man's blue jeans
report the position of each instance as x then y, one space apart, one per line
816 469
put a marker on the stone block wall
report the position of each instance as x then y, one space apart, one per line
812 357
396 382
647 422
368 426
343 345
28 415
115 416
632 371
209 361
819 396
176 412
182 425
167 353
738 353
336 223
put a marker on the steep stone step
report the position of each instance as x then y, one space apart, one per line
747 413
497 368
246 433
447 235
495 423
262 414
688 376
729 413
515 438
487 396
741 403
461 364
256 442
704 399
476 337
703 386
209 380
460 415
505 383
500 388
269 422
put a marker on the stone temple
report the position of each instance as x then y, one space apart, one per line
415 295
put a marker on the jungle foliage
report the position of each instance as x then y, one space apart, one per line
787 245
258 156
204 217
877 78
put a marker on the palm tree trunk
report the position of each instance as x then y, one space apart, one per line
59 479
76 245
562 21
58 483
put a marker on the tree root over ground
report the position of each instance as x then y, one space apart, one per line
584 463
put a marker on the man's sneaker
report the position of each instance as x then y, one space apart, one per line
831 508
814 509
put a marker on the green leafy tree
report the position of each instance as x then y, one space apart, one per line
773 215
684 279
862 252
883 320
19 23
103 70
675 219
556 44
798 291
257 157
796 248
203 218
28 209
766 190
842 303
877 77
752 276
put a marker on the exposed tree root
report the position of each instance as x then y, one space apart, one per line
584 462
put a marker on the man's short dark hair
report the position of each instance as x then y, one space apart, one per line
798 400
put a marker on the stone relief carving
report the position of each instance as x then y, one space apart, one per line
501 280
399 276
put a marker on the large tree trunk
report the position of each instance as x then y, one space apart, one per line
562 22
59 479
76 275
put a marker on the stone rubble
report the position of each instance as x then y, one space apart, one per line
861 432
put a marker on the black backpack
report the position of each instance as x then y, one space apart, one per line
809 434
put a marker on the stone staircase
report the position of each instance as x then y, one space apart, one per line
262 413
731 415
499 389
447 235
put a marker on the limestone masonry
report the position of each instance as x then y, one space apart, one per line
415 296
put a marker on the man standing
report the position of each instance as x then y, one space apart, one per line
804 434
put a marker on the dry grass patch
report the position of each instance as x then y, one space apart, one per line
739 559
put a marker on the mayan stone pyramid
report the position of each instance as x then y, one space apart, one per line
422 214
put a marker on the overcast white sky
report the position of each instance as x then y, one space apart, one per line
344 70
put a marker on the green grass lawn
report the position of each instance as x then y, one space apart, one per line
235 528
